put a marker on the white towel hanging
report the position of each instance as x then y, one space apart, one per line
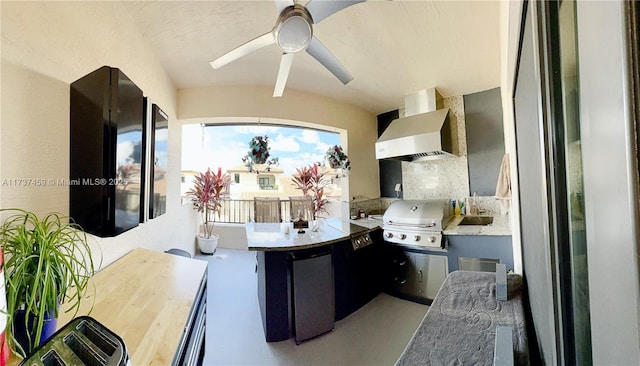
503 188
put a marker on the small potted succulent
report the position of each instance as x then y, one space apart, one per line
259 153
48 263
207 193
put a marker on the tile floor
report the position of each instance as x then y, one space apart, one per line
374 335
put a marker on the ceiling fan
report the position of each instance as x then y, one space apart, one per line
293 33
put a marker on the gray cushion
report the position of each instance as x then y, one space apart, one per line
460 326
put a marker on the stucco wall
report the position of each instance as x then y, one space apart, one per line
45 47
48 45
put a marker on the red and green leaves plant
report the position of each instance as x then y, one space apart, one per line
311 181
207 193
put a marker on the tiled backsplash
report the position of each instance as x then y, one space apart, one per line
377 206
370 206
445 177
435 179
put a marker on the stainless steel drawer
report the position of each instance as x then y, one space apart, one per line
477 264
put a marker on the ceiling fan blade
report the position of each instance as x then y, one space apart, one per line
283 73
320 9
253 45
328 60
283 4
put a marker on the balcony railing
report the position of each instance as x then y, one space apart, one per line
241 211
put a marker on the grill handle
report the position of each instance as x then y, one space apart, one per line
391 223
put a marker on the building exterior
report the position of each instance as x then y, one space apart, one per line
263 178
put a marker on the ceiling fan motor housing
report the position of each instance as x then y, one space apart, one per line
293 30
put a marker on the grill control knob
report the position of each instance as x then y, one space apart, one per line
403 236
389 235
416 238
432 239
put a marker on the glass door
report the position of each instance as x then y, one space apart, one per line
572 252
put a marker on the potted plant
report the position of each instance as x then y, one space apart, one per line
206 196
259 153
337 159
311 181
48 262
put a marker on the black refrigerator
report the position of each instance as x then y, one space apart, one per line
105 185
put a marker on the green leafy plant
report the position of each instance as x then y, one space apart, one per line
337 158
48 262
259 153
206 195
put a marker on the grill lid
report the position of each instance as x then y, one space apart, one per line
432 214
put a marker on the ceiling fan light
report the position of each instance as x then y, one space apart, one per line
294 35
293 30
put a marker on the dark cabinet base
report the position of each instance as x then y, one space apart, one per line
191 350
358 275
274 295
357 279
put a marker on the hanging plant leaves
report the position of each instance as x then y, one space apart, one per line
259 153
337 159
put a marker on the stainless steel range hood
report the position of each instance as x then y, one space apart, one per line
424 134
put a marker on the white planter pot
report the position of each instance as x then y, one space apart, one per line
208 246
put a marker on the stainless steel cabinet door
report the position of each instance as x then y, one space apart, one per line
429 273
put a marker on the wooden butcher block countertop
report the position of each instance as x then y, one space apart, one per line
145 298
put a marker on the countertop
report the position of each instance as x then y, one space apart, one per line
499 227
369 222
145 297
274 236
283 237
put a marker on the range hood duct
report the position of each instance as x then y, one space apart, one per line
425 133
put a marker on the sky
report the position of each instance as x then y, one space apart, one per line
224 146
128 141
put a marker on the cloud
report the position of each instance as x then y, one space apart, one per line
313 138
309 136
226 156
323 146
218 147
225 145
284 143
191 147
290 163
125 153
162 134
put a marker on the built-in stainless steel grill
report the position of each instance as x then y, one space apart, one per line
417 222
